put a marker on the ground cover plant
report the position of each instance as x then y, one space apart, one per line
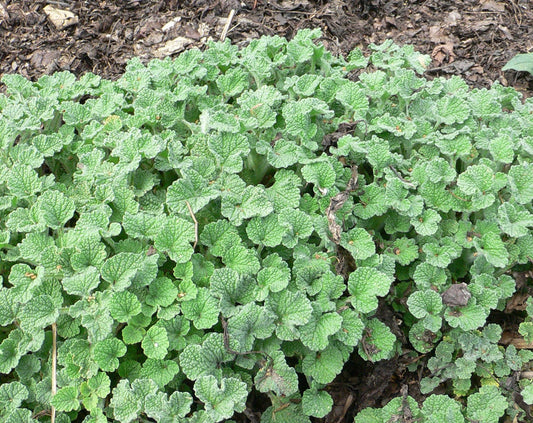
196 231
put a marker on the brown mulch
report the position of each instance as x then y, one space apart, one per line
470 38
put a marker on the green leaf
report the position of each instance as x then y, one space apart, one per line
232 289
277 376
359 243
202 311
162 292
352 328
219 236
353 97
142 225
323 365
292 309
124 305
527 394
297 224
222 399
502 148
315 333
40 312
404 250
107 352
233 82
160 371
12 395
373 202
365 284
66 399
476 179
493 248
155 343
423 303
158 407
378 341
514 220
520 177
126 405
274 276
241 259
316 403
520 62
175 239
120 269
194 189
467 318
23 181
487 405
452 109
9 355
205 359
228 150
285 192
56 208
132 334
251 322
253 202
427 223
320 173
82 283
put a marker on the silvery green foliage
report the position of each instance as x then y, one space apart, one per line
178 228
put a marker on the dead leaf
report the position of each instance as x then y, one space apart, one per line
517 302
506 33
509 338
453 18
60 18
172 46
456 295
171 24
492 6
437 34
443 54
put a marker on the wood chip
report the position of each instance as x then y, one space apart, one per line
60 18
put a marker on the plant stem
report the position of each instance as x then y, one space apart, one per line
54 368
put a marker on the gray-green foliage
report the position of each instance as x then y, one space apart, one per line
178 227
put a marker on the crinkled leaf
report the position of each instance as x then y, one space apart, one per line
124 305
222 399
277 376
316 403
323 365
316 332
378 341
107 352
155 343
205 359
359 243
365 284
202 311
66 399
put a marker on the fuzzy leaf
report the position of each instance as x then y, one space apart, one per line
315 333
359 243
155 343
487 405
316 403
66 399
365 284
323 365
221 400
124 305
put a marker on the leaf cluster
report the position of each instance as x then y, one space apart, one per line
181 229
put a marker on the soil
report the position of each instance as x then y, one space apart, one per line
470 38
